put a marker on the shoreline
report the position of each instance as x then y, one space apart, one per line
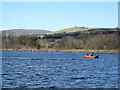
64 50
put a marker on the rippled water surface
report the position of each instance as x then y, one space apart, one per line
58 70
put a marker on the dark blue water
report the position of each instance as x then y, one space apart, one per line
59 70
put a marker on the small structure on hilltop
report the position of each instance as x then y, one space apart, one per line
40 36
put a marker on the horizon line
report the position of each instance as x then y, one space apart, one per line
52 30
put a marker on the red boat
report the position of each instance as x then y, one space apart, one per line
87 56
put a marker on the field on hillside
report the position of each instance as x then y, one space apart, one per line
81 29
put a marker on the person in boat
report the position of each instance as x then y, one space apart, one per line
87 54
91 54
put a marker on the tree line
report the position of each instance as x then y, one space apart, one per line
71 41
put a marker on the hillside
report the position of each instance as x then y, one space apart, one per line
77 32
70 38
80 29
19 32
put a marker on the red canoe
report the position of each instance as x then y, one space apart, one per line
86 56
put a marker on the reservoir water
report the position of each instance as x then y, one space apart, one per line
58 70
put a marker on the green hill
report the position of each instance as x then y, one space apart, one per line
80 29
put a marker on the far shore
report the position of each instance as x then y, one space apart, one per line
64 50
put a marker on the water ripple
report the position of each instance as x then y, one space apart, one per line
58 70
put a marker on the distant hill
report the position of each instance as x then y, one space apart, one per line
19 32
70 31
81 29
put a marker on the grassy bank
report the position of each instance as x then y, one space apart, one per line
63 50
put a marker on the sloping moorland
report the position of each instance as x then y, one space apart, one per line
74 39
19 32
